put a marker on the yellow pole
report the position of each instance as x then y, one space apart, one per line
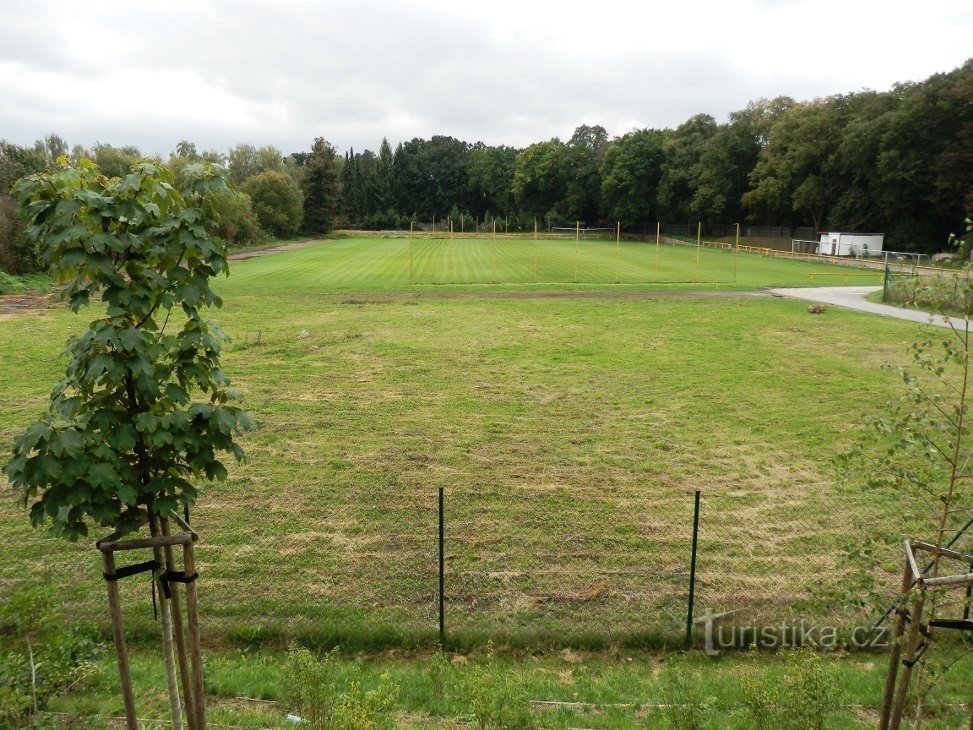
577 248
658 229
536 245
736 250
699 236
452 246
410 251
618 246
494 250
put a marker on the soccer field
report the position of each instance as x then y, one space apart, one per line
569 428
384 263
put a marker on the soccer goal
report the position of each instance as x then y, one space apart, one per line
583 233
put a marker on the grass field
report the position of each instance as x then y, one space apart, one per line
569 427
393 263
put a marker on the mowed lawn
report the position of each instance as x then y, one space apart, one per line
393 263
568 428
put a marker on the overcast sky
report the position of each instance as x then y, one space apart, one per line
514 72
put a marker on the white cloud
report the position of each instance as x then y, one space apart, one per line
509 72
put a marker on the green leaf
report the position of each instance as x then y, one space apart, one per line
67 443
127 494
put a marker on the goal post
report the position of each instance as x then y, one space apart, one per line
583 233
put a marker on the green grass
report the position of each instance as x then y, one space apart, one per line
569 428
565 689
569 424
397 263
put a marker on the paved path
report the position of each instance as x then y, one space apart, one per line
854 297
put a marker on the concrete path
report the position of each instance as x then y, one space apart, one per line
854 297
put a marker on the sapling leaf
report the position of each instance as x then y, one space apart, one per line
123 434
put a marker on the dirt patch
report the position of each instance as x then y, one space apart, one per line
29 300
412 297
244 255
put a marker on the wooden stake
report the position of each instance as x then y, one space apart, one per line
180 637
121 651
912 645
195 650
168 650
895 649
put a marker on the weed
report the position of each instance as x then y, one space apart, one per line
42 655
685 705
761 699
494 697
326 696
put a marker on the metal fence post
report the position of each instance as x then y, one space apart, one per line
692 574
442 570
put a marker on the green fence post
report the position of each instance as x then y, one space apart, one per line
692 574
442 571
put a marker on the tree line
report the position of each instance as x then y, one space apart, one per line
898 162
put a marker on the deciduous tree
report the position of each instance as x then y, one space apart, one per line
123 439
630 174
277 202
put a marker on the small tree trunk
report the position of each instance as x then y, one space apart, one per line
168 650
180 638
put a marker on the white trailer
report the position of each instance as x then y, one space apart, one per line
836 243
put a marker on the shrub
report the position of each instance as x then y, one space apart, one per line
324 697
277 202
42 655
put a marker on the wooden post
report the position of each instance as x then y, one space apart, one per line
911 647
895 648
168 649
121 651
195 649
180 636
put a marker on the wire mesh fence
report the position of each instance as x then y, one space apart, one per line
520 567
926 288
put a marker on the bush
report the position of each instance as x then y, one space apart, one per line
324 697
806 697
237 224
16 255
495 700
277 202
42 655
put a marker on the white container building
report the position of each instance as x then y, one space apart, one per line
837 243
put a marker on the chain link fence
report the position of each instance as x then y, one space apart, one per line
546 576
931 289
